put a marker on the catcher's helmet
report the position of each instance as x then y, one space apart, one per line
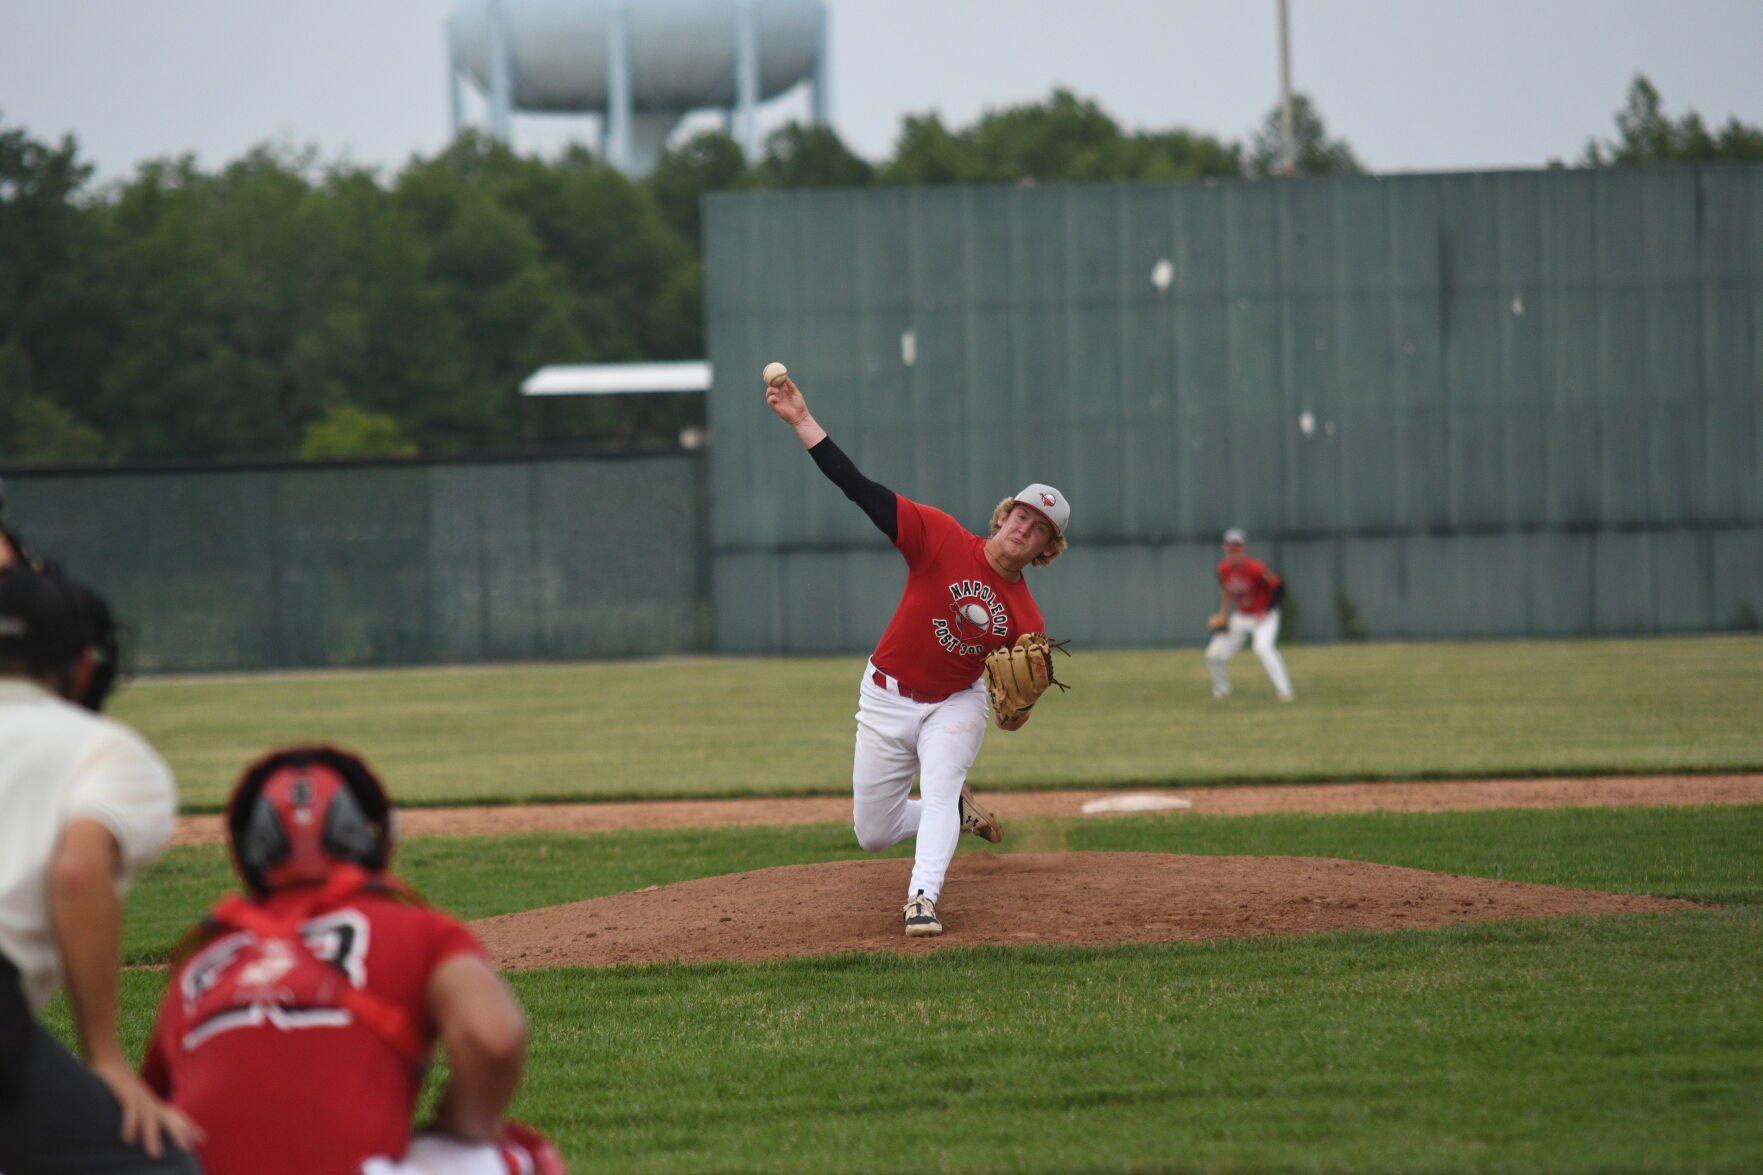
299 812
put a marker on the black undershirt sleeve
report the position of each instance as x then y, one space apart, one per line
877 500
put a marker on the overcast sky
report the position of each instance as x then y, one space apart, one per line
1410 84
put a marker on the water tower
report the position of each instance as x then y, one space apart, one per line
641 65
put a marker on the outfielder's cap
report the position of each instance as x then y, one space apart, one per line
1234 537
1049 503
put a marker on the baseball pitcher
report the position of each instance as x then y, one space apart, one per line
965 634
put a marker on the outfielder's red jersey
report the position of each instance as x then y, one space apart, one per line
282 1081
1249 585
955 609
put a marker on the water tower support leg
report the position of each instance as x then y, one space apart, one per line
747 77
501 73
618 90
820 92
455 96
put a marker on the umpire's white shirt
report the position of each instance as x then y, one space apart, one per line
60 763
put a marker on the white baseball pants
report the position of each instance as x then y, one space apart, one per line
1262 631
896 737
436 1154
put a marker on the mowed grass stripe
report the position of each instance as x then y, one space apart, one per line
782 726
1561 1046
1703 854
1612 1044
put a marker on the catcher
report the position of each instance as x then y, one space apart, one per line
302 1016
965 617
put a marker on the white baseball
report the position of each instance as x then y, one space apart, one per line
975 615
774 374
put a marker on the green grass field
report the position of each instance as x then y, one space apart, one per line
741 726
1588 1044
1628 1043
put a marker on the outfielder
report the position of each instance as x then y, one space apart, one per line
302 1016
1248 609
922 701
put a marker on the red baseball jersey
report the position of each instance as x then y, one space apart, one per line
955 608
281 1079
1249 585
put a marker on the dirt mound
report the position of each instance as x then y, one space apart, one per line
1085 899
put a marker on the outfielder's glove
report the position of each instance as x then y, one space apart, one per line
1217 622
1017 675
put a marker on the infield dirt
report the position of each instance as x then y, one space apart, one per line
1072 898
1076 899
1441 796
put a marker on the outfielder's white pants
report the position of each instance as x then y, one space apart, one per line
897 737
1262 631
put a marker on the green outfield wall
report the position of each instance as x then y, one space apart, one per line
395 563
1443 405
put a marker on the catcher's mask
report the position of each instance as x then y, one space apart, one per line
299 812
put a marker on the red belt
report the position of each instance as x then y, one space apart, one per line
881 681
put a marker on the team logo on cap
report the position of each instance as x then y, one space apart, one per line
1049 500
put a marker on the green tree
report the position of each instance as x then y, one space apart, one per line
347 431
1646 134
407 348
1066 138
709 162
56 311
808 155
242 315
611 248
510 309
1315 154
33 427
927 152
1182 155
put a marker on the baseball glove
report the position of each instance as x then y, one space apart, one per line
1017 675
1217 622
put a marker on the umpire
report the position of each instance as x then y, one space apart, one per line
84 803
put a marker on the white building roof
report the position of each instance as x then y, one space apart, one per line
611 379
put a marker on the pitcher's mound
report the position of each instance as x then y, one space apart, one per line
1083 899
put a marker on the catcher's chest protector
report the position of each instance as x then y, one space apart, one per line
298 969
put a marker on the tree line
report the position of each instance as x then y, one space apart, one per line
283 306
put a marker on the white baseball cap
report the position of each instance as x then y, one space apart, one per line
1049 503
1235 537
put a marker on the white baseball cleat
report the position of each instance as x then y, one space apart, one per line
921 917
976 821
1288 696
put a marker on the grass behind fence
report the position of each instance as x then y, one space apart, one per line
746 726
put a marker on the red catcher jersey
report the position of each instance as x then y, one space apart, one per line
955 609
1248 584
285 1089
